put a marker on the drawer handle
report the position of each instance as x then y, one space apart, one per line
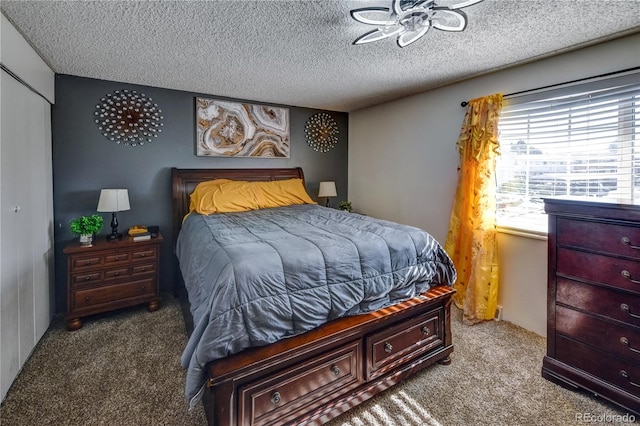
627 241
335 370
625 342
388 348
87 298
144 288
116 274
626 376
87 278
88 262
626 308
143 255
426 330
627 275
276 398
117 258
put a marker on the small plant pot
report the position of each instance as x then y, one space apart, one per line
86 240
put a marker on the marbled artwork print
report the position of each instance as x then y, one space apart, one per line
231 129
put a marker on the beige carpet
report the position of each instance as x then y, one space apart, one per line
123 369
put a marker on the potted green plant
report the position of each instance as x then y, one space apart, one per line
86 227
346 206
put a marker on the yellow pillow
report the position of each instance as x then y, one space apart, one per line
221 196
225 196
278 193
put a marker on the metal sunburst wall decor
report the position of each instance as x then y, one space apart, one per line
322 132
128 118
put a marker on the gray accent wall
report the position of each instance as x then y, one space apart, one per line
84 162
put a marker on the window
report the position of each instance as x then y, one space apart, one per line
578 141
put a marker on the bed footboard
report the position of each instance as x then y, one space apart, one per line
316 376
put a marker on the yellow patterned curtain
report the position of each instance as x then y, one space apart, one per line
471 241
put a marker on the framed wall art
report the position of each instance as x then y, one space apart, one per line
231 129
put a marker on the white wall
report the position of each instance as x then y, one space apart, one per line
403 162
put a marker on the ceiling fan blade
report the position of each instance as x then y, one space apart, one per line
376 35
372 15
449 20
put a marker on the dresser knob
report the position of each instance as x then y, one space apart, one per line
426 330
275 398
88 262
626 274
626 376
388 347
626 241
116 274
87 298
335 370
626 308
625 342
87 278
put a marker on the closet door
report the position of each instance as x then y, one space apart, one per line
26 221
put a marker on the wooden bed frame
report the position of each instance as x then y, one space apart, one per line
316 376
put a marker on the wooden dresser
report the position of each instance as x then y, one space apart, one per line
111 275
593 323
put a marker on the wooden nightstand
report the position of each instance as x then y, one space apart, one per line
111 275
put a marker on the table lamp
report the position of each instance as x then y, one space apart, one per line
114 200
327 190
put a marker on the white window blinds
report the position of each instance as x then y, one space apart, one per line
581 140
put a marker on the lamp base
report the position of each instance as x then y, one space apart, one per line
116 236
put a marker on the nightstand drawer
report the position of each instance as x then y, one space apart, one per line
87 278
146 268
107 294
85 262
144 254
119 257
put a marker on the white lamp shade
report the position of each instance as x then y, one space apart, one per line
327 189
113 200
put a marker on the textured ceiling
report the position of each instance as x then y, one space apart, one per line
300 52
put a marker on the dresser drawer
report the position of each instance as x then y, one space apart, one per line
96 296
267 400
79 263
89 277
146 254
620 273
602 237
599 300
117 257
618 372
399 344
615 339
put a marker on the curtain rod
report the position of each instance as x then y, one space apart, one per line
465 103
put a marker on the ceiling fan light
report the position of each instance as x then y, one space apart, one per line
409 37
410 20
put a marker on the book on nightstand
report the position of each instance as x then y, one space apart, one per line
145 236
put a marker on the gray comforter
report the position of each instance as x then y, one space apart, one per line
257 277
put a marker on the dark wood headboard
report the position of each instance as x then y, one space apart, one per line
184 182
